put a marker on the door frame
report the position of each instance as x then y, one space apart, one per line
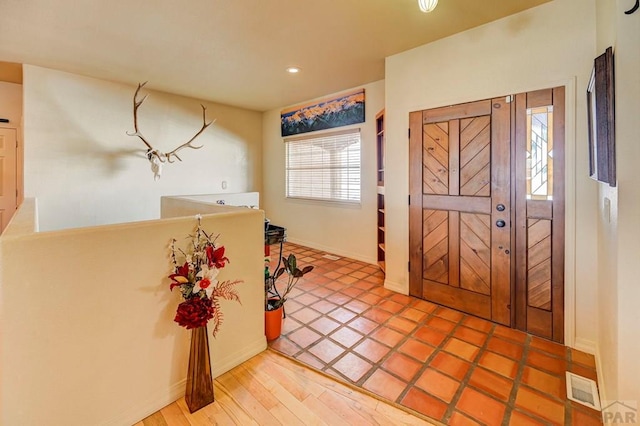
570 85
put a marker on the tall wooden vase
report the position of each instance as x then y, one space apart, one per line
199 381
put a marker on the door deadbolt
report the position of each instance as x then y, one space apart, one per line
500 223
500 207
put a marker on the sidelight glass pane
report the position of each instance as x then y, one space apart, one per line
540 153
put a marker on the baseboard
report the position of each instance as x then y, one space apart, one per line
334 250
602 388
222 365
398 288
593 348
162 398
149 406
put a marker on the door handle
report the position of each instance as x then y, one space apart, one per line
500 223
500 207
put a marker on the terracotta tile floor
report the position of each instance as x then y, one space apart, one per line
452 367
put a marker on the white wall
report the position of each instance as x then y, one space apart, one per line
619 230
85 170
607 350
627 68
11 104
88 335
337 228
546 46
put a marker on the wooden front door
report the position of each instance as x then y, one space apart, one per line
482 239
8 182
460 239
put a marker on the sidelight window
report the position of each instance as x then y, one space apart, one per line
540 153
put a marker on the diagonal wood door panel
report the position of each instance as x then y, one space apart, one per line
436 246
475 156
436 158
539 263
475 253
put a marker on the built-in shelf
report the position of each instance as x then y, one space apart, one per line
380 142
380 146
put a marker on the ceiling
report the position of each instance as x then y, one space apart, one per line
233 51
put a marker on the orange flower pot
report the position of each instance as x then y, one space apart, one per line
273 323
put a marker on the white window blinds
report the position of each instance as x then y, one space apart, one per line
325 167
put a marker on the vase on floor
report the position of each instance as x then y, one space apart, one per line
273 323
199 391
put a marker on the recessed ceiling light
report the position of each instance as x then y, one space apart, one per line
293 70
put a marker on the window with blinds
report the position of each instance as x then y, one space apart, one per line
325 167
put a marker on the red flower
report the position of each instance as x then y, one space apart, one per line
216 257
194 312
180 277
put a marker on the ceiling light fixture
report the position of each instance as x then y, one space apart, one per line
293 70
427 6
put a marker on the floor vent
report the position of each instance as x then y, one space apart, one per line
330 257
583 391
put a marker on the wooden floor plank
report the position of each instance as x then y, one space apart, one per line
156 419
271 389
243 375
243 398
355 415
325 413
173 415
285 416
237 412
398 416
212 414
295 384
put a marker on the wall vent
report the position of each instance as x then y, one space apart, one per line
330 257
583 391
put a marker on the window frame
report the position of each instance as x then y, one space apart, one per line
308 140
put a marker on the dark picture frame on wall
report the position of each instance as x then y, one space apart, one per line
601 120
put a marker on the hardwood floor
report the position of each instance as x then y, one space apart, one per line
270 389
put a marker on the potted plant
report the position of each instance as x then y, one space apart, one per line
274 300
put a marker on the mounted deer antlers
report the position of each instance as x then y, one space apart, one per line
153 155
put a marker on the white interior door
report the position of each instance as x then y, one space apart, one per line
8 171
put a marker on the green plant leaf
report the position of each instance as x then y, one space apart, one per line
307 269
292 262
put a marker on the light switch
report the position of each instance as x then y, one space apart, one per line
606 211
224 184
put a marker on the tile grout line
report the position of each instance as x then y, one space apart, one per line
464 382
517 381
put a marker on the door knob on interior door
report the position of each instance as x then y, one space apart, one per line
500 223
